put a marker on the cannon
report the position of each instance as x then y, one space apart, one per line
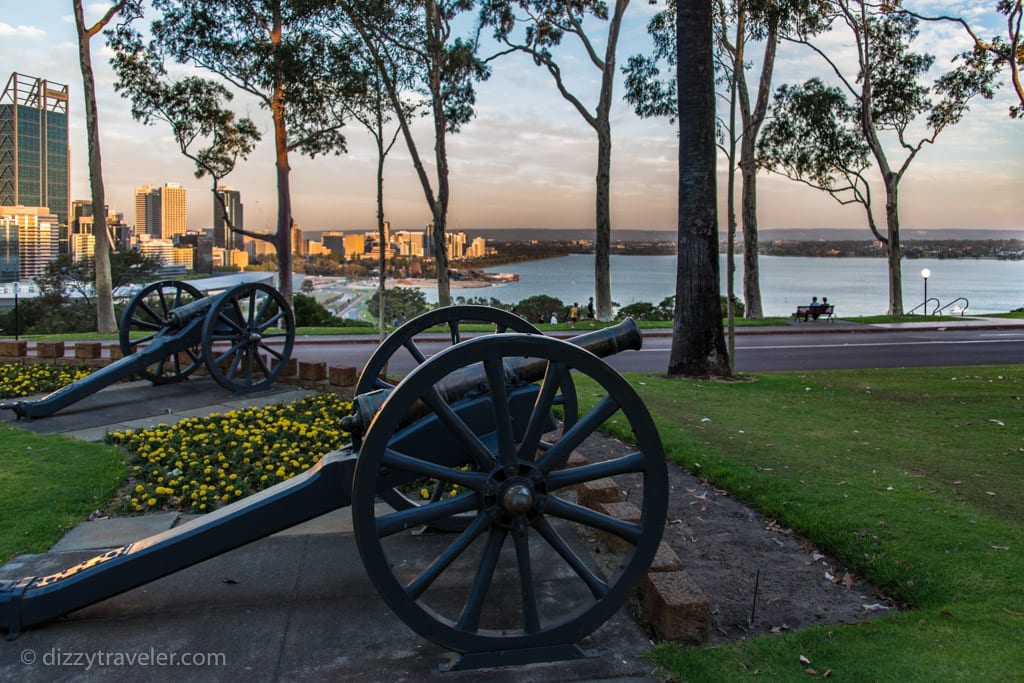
170 328
485 427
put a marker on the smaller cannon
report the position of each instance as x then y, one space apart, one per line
485 428
170 328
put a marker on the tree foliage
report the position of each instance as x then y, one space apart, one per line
819 137
401 303
538 308
275 51
545 25
414 47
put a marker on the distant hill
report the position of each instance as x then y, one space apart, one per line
798 234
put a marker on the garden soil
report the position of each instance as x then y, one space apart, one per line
759 577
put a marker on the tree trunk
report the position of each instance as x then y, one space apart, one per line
284 203
382 319
698 343
751 270
895 252
106 323
603 222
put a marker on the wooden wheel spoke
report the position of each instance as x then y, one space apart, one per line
407 519
414 351
541 410
454 332
521 539
424 579
156 318
475 481
628 531
469 620
494 369
481 454
634 462
598 588
557 455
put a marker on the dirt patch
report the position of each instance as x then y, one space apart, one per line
758 576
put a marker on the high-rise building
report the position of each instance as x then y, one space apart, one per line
334 240
161 212
223 214
35 159
36 238
298 241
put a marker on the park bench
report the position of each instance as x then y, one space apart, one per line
807 313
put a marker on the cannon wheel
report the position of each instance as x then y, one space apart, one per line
505 601
147 312
449 316
452 317
239 329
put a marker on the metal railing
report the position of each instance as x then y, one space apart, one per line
924 305
961 309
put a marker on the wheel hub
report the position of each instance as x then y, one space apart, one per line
517 498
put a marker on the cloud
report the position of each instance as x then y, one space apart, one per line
21 31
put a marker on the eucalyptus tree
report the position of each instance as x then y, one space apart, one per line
1005 51
819 138
415 49
106 323
740 26
276 52
698 341
195 109
372 108
544 25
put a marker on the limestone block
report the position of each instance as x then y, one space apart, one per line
676 608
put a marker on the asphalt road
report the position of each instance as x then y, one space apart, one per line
767 350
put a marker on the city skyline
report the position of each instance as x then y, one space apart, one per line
527 160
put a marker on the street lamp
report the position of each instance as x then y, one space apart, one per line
925 273
16 331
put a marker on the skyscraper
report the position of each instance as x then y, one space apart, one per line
160 212
35 159
222 235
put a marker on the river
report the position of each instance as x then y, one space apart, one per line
855 286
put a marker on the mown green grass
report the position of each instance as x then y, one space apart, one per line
48 484
911 477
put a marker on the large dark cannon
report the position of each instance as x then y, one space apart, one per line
475 442
244 337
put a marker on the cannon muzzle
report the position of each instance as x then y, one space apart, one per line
625 336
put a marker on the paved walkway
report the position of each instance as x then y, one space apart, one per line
295 606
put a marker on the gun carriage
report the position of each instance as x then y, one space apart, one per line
243 337
485 427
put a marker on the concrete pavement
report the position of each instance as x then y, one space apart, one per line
295 605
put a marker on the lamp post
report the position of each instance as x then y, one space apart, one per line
16 337
925 274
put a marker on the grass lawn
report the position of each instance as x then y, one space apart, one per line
48 484
912 477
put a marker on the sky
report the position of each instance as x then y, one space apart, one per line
528 159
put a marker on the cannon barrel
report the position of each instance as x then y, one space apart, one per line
625 336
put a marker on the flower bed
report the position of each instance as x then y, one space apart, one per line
18 380
202 463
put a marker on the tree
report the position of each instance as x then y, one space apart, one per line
401 303
193 107
1005 52
372 108
887 100
698 341
106 323
412 46
737 24
546 23
538 308
274 51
